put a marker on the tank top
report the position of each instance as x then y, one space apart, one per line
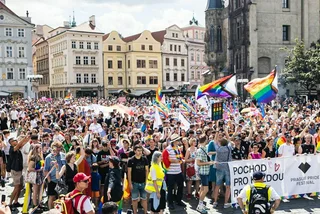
70 173
255 156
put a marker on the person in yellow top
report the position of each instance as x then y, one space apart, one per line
156 184
258 196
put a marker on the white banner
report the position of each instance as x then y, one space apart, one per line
288 175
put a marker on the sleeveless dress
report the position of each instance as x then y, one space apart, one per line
195 177
69 174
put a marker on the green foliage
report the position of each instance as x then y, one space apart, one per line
302 66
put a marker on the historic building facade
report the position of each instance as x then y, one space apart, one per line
42 67
75 60
194 34
15 53
174 57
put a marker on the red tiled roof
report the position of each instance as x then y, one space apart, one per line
4 7
131 38
105 36
159 35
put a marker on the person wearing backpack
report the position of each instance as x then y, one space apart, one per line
258 196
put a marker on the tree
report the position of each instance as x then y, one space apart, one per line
302 66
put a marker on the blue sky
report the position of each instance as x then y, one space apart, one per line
126 16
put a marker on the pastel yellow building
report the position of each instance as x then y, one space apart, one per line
141 70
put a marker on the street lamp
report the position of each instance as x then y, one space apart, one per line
100 89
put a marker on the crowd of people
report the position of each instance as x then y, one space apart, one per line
102 154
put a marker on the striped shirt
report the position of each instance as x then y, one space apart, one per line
175 168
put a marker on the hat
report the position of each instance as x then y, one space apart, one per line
80 177
174 138
258 175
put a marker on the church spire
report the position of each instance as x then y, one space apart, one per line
193 21
215 4
73 24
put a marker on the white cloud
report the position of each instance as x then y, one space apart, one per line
124 23
170 17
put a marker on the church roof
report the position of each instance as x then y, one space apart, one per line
214 4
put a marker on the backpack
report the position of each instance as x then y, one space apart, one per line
65 204
259 203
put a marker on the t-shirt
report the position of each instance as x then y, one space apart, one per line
103 156
307 149
14 115
138 166
95 178
16 159
149 157
286 150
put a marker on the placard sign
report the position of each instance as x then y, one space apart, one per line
217 111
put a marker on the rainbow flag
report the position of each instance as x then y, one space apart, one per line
318 145
188 107
214 89
281 140
159 94
265 89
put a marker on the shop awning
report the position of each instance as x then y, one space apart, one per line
169 90
138 93
115 91
4 94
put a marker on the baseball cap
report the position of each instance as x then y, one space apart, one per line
80 177
258 175
115 160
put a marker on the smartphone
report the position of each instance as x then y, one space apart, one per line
3 198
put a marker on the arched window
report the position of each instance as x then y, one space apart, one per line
197 35
211 39
219 39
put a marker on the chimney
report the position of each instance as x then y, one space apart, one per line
3 1
66 24
92 21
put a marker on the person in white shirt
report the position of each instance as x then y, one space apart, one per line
95 127
287 149
14 118
57 136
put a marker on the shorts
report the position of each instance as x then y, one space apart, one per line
204 180
138 191
17 177
95 194
51 186
14 121
222 175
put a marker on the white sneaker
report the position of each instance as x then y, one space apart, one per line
227 205
201 209
215 204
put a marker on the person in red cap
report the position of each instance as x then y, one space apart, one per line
81 202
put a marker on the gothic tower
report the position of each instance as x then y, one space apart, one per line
216 39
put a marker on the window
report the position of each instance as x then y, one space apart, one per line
175 62
197 35
198 57
167 61
96 46
198 74
285 33
21 52
20 32
120 82
9 73
237 4
8 31
78 78
238 31
78 60
175 47
86 78
110 80
129 80
93 60
285 3
141 80
109 47
153 80
141 63
110 64
219 38
118 48
179 48
143 47
150 47
167 77
88 45
73 45
86 60
119 64
9 51
170 47
81 45
182 77
129 47
182 62
22 73
192 56
93 78
173 34
153 64
192 75
129 63
175 77
176 35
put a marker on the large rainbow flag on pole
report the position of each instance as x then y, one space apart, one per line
159 94
218 88
265 89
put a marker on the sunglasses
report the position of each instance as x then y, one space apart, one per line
86 181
